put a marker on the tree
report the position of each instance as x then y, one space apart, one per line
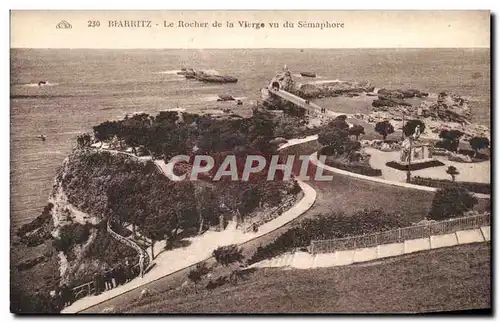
479 143
155 227
451 202
339 122
204 200
196 275
452 171
228 255
384 128
451 139
334 138
411 125
356 131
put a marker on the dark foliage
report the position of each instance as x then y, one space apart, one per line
479 143
482 188
384 128
409 127
356 131
71 235
361 169
451 139
227 255
451 202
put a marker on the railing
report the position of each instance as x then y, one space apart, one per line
278 210
89 288
130 243
399 235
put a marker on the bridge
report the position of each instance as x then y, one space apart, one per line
309 106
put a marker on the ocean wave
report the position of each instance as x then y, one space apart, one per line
175 109
306 77
41 85
172 72
327 81
214 98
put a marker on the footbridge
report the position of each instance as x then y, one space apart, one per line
309 106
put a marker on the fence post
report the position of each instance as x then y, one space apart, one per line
399 235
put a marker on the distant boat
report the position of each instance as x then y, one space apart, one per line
42 83
308 74
41 137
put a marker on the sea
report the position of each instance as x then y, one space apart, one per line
88 86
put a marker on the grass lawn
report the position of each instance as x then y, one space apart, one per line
455 278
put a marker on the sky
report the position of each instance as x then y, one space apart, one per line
354 29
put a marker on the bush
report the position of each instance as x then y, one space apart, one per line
227 255
354 168
384 128
451 202
196 275
482 188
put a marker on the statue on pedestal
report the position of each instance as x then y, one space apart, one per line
407 143
405 150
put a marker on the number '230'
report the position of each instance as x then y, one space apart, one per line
94 23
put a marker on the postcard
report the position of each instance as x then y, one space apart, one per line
250 162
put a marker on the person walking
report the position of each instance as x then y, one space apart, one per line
67 295
108 279
127 271
97 284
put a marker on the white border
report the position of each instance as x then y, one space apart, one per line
492 5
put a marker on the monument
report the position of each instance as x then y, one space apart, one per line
415 154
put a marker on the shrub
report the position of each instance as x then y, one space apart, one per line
227 255
354 168
356 131
450 139
479 143
384 128
196 275
451 202
483 188
452 171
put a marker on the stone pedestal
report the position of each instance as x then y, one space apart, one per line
421 157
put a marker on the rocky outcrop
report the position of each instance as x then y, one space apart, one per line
285 81
332 89
450 108
384 102
225 97
402 94
214 78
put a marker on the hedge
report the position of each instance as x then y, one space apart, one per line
355 168
483 188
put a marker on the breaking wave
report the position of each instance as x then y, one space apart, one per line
41 85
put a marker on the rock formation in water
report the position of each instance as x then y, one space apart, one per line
332 89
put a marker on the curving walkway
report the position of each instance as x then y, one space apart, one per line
305 260
314 160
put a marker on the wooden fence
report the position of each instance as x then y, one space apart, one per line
399 235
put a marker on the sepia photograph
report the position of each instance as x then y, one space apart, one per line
250 162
